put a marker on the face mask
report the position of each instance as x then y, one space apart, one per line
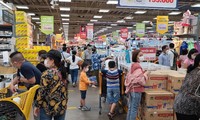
193 57
141 58
46 63
87 69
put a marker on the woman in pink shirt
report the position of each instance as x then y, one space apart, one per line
183 57
190 60
135 81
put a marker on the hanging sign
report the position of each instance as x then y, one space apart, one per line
149 3
140 29
124 33
47 24
162 24
90 32
83 32
115 35
149 53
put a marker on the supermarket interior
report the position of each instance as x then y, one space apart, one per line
99 60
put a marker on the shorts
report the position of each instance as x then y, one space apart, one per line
113 95
83 94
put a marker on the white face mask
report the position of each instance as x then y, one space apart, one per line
87 69
141 58
46 63
193 57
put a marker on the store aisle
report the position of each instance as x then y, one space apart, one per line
92 100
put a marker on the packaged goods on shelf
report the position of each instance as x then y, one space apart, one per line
156 81
23 30
157 115
158 100
174 82
20 16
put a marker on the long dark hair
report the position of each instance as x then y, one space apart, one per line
196 64
73 55
192 51
134 55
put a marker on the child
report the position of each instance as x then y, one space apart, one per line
83 86
113 87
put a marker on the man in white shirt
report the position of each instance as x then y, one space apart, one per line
64 53
172 56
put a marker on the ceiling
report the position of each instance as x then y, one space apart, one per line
82 11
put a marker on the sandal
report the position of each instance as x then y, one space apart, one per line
110 116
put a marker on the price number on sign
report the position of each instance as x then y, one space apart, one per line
161 1
162 26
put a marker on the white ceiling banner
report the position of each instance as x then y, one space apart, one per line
90 32
66 31
149 3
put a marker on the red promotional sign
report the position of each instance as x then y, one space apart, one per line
100 38
90 32
83 33
124 33
149 53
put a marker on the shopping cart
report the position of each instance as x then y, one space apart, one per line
17 110
122 104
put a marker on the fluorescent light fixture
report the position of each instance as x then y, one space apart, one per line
134 25
65 23
35 18
121 21
90 24
171 22
4 4
140 12
113 24
38 22
104 10
148 28
129 27
155 18
112 2
64 8
128 18
93 20
145 21
174 13
108 27
63 19
31 14
64 15
22 7
97 16
65 0
196 5
117 30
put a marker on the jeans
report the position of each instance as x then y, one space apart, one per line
134 101
44 116
113 95
74 75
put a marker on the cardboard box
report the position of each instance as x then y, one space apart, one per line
158 100
157 115
156 81
175 116
174 82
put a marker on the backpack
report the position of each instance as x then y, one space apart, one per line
174 67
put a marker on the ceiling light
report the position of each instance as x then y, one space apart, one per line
128 18
35 18
148 28
64 8
145 21
104 10
155 18
90 24
196 5
134 25
113 24
64 0
112 2
38 22
65 19
31 14
108 27
121 21
171 22
64 15
97 16
140 12
93 20
174 13
129 27
65 23
22 7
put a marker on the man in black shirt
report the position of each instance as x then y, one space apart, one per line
27 74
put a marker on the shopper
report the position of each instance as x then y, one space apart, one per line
190 59
42 54
83 86
27 74
173 56
164 57
74 60
87 57
135 81
113 87
107 60
187 105
64 53
52 97
183 57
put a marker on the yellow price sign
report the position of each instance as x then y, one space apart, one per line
162 24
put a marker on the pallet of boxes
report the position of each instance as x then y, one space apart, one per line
160 91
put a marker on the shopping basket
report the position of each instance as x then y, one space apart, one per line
11 110
102 92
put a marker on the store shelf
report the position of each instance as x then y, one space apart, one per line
5 50
186 36
5 36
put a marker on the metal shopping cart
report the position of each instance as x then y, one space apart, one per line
122 104
11 109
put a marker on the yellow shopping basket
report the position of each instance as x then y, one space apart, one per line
20 110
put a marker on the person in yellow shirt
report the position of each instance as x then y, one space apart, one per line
83 86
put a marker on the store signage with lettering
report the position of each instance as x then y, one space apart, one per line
149 3
83 33
47 24
162 24
149 53
124 33
140 29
